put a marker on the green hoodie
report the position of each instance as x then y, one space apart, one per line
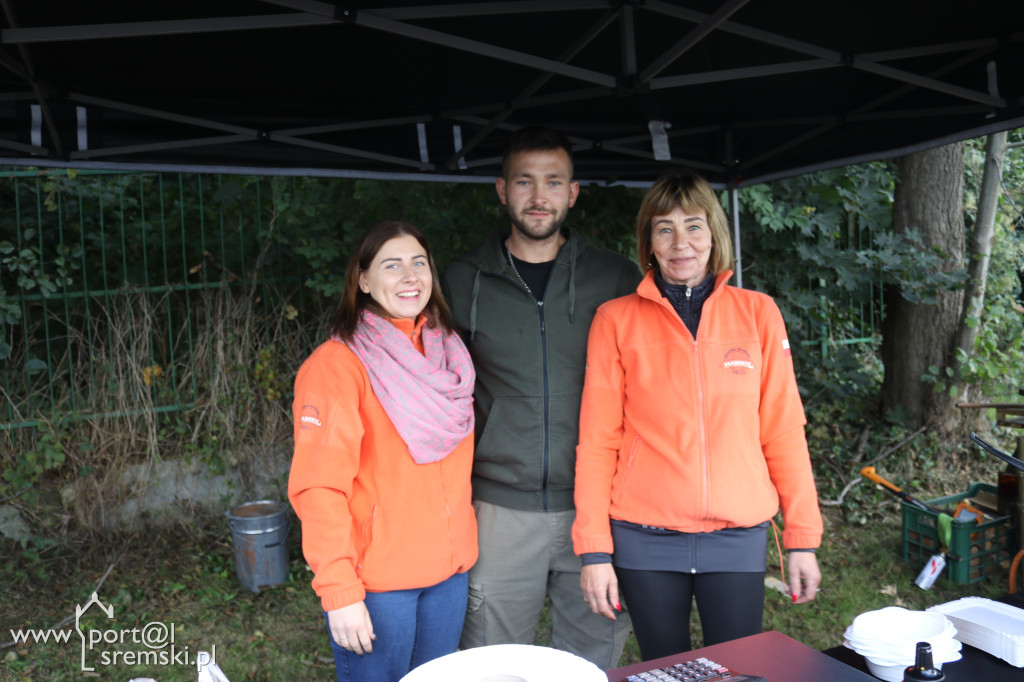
530 358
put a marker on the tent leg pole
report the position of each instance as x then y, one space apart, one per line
734 202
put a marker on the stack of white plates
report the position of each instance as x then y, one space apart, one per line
887 639
988 625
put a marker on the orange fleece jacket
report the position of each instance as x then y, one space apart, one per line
690 434
372 519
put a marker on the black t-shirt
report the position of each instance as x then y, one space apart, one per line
534 275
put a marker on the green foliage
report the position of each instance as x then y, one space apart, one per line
810 243
310 217
904 261
21 475
320 220
823 246
997 361
816 225
268 376
831 229
606 214
30 268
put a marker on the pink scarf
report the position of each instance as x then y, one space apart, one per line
428 396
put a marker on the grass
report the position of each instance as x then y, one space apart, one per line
167 578
862 570
186 577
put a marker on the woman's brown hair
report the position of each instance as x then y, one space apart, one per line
691 193
354 301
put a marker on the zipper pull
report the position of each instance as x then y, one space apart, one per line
688 292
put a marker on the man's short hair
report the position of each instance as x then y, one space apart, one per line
533 139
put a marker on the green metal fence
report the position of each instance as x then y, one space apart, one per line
853 319
124 263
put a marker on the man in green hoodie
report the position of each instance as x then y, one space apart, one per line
523 302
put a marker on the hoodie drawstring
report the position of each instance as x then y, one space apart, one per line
472 305
572 291
572 280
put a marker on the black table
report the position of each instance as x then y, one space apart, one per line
975 666
771 654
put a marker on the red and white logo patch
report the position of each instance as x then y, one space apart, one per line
737 361
309 417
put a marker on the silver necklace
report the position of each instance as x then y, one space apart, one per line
508 252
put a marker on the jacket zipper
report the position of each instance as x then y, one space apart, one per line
704 454
547 404
546 461
706 493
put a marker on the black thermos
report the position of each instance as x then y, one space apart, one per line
922 668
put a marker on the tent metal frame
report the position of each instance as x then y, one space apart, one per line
486 118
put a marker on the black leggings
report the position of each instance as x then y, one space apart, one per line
731 605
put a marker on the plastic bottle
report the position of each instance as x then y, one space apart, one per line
923 668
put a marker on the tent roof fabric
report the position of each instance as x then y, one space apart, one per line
740 90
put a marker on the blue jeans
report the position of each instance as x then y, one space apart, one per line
411 628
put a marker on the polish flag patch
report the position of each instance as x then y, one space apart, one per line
785 348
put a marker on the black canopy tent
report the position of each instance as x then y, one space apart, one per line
741 91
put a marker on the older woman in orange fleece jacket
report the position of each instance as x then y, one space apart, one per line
691 438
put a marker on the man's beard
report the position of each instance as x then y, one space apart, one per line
529 233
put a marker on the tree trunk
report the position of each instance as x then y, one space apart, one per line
980 253
928 198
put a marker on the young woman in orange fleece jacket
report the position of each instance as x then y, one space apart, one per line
691 437
380 476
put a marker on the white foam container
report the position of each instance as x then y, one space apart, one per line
889 673
942 652
887 638
895 622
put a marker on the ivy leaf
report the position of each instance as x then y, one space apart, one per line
34 365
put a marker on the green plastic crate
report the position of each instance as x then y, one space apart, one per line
975 548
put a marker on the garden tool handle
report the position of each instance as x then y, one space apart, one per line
870 473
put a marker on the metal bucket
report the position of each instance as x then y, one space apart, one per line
259 531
